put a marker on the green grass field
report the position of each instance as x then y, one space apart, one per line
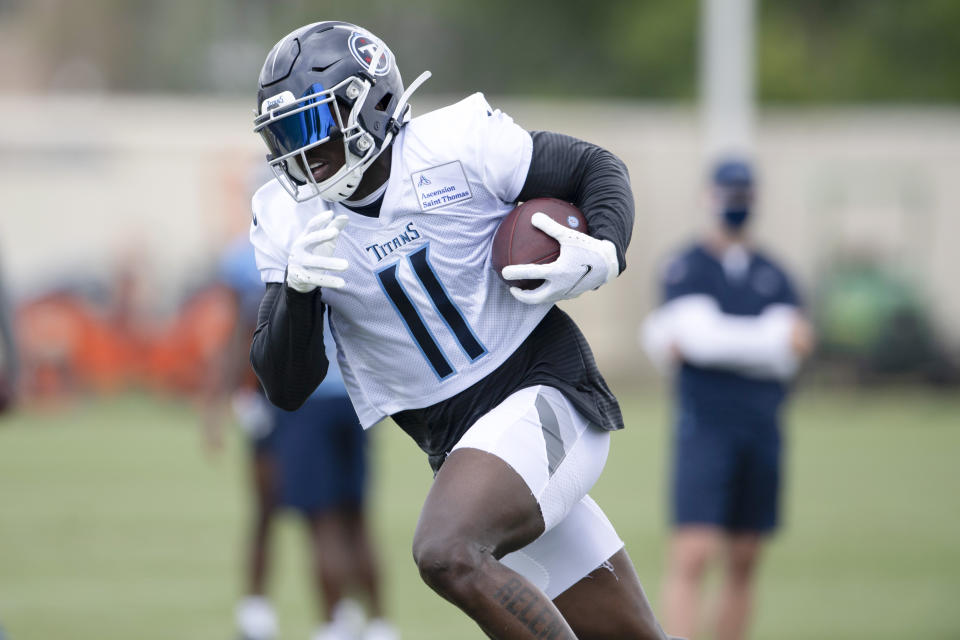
114 524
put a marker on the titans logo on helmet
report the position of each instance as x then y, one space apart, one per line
364 47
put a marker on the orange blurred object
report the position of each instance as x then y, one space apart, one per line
67 345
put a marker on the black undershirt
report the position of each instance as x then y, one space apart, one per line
288 355
555 354
590 177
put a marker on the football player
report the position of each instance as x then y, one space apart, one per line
313 461
731 326
384 222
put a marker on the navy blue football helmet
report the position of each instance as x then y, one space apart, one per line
322 82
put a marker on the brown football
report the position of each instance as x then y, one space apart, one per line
517 241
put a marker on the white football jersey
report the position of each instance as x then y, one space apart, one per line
423 314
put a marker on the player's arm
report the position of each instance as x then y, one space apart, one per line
772 344
689 326
592 178
287 352
694 329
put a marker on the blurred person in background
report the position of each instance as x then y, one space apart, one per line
9 354
731 331
314 461
384 224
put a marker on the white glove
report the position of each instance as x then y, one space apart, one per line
311 258
584 263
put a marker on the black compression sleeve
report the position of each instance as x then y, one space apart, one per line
287 353
590 177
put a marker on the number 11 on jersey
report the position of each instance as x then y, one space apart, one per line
442 304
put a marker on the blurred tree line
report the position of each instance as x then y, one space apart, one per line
810 51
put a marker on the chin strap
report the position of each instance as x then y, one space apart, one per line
398 118
396 121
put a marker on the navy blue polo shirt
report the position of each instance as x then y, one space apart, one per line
721 396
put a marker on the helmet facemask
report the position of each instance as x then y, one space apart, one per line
291 127
325 83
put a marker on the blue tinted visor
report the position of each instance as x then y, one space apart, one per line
287 133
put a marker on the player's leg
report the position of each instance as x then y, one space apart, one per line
690 552
754 514
330 558
255 616
702 486
332 458
363 558
264 510
310 482
365 569
609 603
516 473
581 564
332 553
351 471
735 598
346 568
477 510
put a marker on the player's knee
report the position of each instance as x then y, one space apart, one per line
446 565
691 565
691 554
742 567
